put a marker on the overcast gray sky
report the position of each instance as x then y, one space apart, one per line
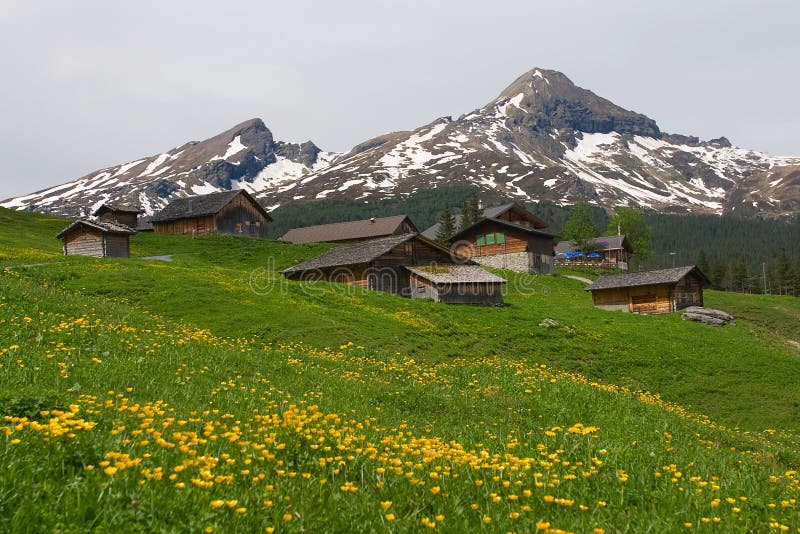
90 84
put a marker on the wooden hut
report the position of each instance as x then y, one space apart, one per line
385 264
507 237
662 291
612 251
227 212
101 239
456 284
127 215
351 231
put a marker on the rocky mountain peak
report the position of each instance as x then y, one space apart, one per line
551 101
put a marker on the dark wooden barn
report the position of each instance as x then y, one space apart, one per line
508 237
456 284
662 291
127 215
383 265
101 239
227 212
351 231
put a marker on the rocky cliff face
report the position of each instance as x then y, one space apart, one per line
541 138
546 100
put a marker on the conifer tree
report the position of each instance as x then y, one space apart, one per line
447 226
471 212
702 262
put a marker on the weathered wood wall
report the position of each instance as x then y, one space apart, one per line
189 226
89 242
651 299
688 292
521 218
480 293
83 242
640 299
117 246
238 217
611 299
241 217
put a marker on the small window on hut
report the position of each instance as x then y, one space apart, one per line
501 238
480 241
490 239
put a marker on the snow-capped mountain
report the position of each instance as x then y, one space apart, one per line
545 138
244 157
542 138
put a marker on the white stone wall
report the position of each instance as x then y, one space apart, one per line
521 262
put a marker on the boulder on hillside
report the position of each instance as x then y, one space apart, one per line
708 316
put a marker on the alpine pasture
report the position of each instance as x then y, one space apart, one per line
209 394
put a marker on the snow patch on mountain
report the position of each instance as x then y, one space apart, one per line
234 147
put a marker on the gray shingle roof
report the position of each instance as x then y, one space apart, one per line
354 254
612 242
201 206
109 227
646 278
343 231
117 207
455 274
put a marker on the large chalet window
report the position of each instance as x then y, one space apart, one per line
501 238
480 241
490 239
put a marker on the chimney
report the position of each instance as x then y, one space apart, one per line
372 220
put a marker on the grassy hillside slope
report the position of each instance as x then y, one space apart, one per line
248 403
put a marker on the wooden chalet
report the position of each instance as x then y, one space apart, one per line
351 231
507 237
612 251
127 215
662 291
101 239
227 212
391 263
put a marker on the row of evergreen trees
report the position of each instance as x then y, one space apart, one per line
779 276
471 212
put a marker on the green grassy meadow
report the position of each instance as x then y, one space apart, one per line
208 394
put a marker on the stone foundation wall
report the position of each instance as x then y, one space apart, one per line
521 262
